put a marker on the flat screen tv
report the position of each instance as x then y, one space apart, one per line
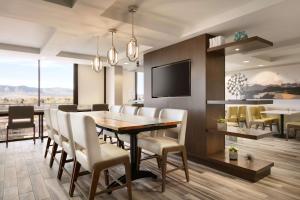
172 80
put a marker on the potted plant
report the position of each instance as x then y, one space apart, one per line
233 153
221 124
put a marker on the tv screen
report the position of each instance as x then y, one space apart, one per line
172 80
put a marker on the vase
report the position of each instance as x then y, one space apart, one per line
233 155
222 126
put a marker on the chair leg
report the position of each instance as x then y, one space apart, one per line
47 147
163 170
54 149
128 179
185 164
263 126
271 128
62 162
34 134
95 179
75 173
287 133
158 160
104 138
256 126
246 124
106 177
7 137
139 154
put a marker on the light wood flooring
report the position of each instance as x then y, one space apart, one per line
24 174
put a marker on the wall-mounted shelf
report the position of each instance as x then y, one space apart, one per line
254 134
251 170
250 102
242 46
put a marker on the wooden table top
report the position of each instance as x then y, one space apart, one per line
281 112
120 122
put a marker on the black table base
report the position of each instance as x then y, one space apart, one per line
135 172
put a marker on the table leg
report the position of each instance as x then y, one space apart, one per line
42 128
39 116
281 134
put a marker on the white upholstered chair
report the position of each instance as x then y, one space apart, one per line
168 141
66 136
49 131
56 136
145 112
109 134
95 157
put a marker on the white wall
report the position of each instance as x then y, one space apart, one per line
110 86
128 86
90 86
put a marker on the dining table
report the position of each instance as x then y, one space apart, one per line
131 125
281 113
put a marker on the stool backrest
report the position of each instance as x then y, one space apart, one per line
85 139
147 112
20 112
180 130
68 108
100 107
47 114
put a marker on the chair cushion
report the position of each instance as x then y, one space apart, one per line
293 123
157 144
108 152
57 139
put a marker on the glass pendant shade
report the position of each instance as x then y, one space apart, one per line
112 54
132 50
97 64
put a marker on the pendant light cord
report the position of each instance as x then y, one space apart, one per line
97 45
132 20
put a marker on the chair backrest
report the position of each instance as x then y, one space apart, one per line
115 108
180 130
20 112
242 113
54 122
47 114
261 109
68 108
65 130
85 139
100 107
146 112
130 110
232 112
254 113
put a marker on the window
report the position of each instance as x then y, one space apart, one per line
56 83
140 85
18 82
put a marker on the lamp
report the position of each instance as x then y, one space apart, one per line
112 54
97 64
132 50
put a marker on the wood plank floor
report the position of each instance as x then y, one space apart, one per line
24 174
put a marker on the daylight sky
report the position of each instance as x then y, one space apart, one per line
25 72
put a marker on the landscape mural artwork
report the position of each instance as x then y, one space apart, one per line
271 83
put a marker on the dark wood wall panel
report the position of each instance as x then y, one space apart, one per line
194 49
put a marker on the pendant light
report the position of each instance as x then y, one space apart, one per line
112 54
132 50
97 64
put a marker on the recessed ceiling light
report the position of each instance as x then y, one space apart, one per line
260 65
246 61
126 63
237 49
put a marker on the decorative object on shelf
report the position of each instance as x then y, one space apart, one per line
240 35
132 49
112 54
249 157
216 41
221 124
233 153
97 64
236 84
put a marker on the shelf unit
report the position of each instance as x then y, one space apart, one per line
252 170
251 133
249 102
242 46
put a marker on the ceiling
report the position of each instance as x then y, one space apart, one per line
45 30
